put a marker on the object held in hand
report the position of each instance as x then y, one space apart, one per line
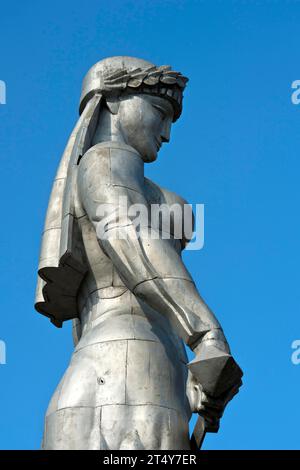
219 375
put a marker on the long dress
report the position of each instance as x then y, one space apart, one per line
125 387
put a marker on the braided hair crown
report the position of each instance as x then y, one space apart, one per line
121 75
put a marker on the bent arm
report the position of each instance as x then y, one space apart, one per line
150 267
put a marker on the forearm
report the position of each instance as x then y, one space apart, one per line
168 289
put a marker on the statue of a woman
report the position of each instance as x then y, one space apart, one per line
131 298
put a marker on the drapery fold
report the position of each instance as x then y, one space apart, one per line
62 266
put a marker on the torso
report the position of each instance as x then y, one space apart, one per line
103 294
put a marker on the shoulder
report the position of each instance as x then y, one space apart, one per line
180 210
109 148
111 158
112 165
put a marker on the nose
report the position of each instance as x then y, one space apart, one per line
166 130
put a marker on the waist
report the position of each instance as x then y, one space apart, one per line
109 303
124 317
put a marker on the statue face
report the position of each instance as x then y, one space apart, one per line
145 123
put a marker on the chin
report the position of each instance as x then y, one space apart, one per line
149 155
150 158
148 151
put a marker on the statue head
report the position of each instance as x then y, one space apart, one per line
139 102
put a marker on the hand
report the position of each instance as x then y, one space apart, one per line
210 408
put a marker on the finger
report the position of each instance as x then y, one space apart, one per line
212 402
229 394
213 405
208 412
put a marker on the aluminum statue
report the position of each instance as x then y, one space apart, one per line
133 304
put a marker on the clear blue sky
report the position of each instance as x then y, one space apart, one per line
236 149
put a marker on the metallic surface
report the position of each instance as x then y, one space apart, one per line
132 300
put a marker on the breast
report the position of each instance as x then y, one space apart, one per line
170 213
